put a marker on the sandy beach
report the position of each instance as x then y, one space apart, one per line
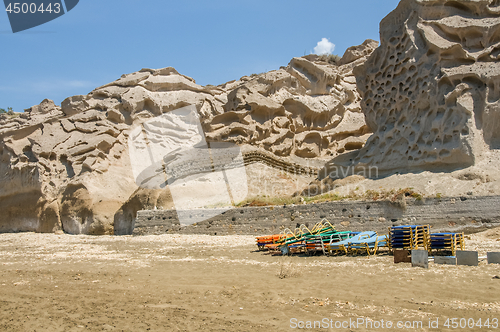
194 282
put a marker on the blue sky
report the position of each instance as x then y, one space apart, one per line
211 41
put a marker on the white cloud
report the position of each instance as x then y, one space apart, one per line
324 47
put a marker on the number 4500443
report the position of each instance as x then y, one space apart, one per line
32 8
462 323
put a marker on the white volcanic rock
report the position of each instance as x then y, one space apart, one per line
45 107
69 168
294 111
431 91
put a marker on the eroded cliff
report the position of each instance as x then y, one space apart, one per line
68 167
431 91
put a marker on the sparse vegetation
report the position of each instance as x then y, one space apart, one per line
269 201
287 269
330 58
417 196
392 195
397 197
373 194
326 198
10 112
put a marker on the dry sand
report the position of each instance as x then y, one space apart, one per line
202 283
